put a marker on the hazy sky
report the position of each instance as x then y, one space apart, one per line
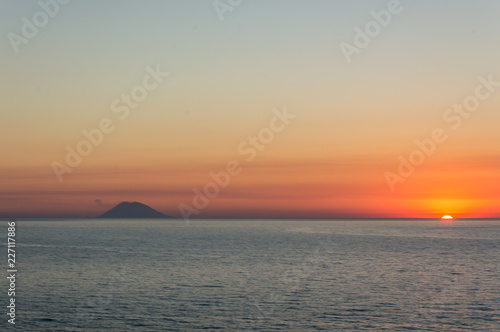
429 65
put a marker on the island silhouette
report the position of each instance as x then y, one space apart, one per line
134 210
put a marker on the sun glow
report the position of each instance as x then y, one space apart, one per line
447 217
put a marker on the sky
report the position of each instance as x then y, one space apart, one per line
256 109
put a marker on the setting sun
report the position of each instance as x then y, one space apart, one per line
447 217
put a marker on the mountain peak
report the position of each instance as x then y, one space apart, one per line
134 210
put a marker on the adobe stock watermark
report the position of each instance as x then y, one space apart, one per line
371 30
249 148
30 27
223 6
453 116
122 107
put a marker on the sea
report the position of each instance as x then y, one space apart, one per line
255 275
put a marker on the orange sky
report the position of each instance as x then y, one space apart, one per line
348 122
265 189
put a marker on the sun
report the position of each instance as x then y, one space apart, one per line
447 217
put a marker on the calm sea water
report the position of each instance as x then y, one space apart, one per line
265 275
